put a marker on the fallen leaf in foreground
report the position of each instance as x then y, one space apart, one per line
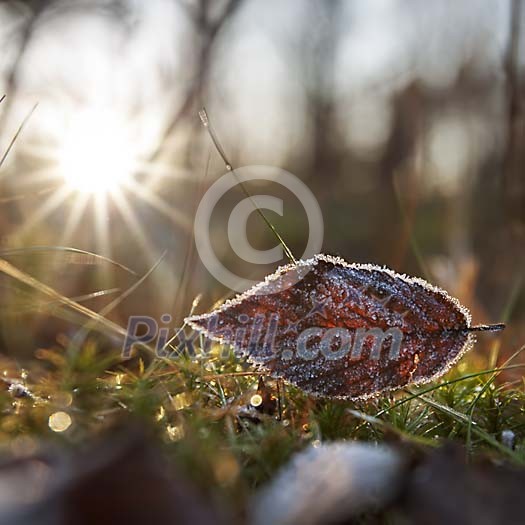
344 330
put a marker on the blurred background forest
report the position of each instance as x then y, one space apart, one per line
404 118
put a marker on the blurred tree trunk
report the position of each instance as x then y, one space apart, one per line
514 160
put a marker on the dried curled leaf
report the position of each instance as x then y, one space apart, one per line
343 330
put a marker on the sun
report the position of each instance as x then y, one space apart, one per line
95 156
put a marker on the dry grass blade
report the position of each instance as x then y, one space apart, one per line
87 257
82 333
203 115
10 270
16 135
44 305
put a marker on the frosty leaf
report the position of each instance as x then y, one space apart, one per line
343 330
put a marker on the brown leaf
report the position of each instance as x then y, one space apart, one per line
344 330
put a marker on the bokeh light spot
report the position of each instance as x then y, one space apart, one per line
59 421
